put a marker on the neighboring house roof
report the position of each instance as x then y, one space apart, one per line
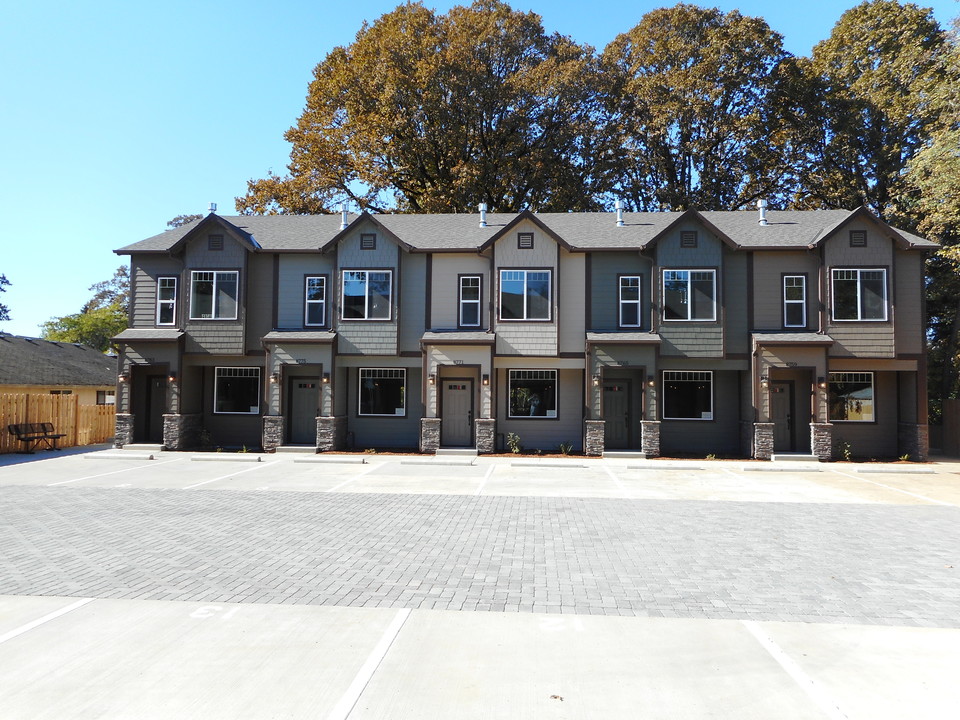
785 229
31 361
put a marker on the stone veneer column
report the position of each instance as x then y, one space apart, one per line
123 435
331 433
763 441
272 432
914 440
650 437
593 437
821 441
486 434
182 431
429 435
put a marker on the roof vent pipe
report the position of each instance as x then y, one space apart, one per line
482 207
619 207
213 207
762 206
343 216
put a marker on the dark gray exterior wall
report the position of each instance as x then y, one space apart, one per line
545 433
400 432
413 301
909 319
734 289
876 439
216 337
144 271
291 291
605 269
369 337
259 311
720 435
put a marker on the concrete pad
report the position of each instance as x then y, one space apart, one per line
877 673
119 455
18 610
896 470
227 457
142 659
553 482
332 459
490 665
396 477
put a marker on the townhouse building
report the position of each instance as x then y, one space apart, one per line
734 333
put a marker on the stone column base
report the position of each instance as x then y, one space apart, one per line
272 432
821 441
913 440
763 441
429 435
650 438
123 435
485 430
593 440
182 431
331 433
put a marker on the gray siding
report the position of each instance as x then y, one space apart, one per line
259 309
860 339
144 271
413 301
571 298
876 439
690 338
605 269
909 320
368 337
545 433
445 288
527 338
401 432
217 337
290 294
720 435
769 267
733 294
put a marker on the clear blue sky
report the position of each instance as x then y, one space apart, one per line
117 115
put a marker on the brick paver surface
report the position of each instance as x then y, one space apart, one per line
876 564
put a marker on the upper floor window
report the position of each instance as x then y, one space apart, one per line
213 294
469 301
525 294
367 294
689 295
859 294
315 301
166 301
629 301
794 301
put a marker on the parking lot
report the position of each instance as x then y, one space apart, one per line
223 586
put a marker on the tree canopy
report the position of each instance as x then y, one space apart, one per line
4 310
101 318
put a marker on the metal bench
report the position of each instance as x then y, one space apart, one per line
33 435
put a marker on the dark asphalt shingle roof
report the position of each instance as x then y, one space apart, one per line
462 231
30 361
149 334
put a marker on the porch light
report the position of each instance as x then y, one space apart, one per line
124 376
764 381
172 377
432 378
326 379
822 382
485 380
275 378
596 380
650 380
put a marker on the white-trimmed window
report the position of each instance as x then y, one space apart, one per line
795 301
525 294
859 294
382 392
469 301
850 397
366 294
532 393
687 395
106 397
689 294
630 301
315 301
236 391
167 300
213 294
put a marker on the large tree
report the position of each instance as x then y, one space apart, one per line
699 110
436 113
877 72
101 318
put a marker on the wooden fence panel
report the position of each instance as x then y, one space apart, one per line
80 424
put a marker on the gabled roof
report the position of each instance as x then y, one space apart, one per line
31 361
461 232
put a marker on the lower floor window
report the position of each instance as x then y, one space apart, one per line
851 397
106 397
382 391
533 393
687 395
237 390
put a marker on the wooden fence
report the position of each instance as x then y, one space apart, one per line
81 424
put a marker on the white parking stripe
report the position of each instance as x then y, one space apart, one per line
890 487
616 480
46 618
113 472
343 708
358 475
806 683
485 478
230 475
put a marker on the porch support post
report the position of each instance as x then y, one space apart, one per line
272 432
486 434
123 435
429 435
763 441
821 441
182 431
331 433
914 440
593 441
650 438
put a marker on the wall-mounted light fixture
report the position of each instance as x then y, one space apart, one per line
124 376
275 378
650 381
325 379
764 381
596 380
485 380
172 376
822 382
432 378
